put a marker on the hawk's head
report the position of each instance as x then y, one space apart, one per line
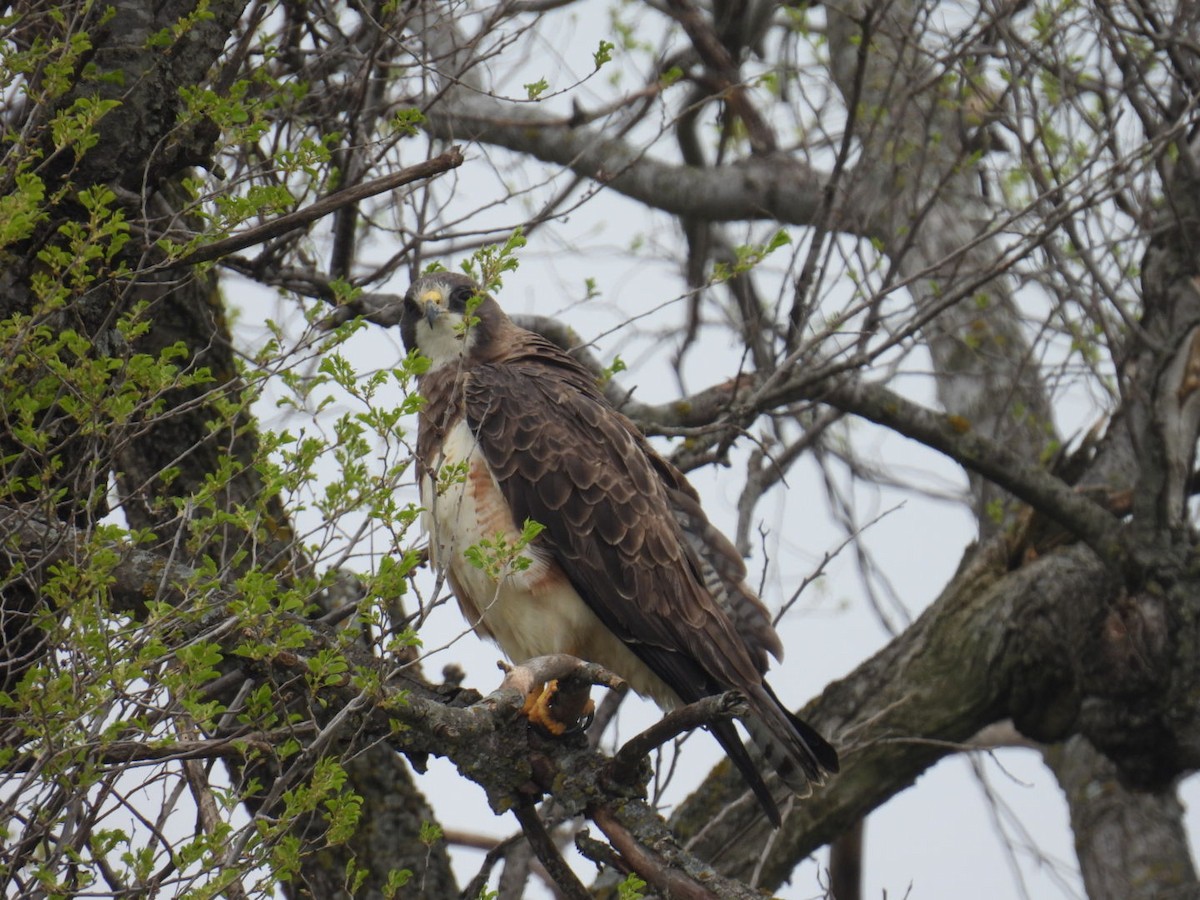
447 317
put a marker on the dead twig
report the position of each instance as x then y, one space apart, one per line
451 159
728 705
543 847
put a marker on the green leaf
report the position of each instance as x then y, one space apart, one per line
603 53
408 121
631 888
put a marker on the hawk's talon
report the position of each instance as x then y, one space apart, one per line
582 723
585 721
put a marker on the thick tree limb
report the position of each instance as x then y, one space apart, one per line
982 455
1132 845
953 435
1022 644
767 187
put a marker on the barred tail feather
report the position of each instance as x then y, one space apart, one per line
789 745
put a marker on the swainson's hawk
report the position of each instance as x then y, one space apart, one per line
628 572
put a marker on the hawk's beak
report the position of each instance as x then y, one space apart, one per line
432 301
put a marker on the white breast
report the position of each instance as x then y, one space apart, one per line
529 612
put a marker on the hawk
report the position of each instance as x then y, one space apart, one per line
627 571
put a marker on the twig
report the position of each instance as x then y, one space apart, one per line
451 159
599 852
728 705
496 849
647 864
210 818
495 852
130 753
829 556
606 709
548 854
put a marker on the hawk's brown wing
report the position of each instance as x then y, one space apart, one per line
566 459
570 462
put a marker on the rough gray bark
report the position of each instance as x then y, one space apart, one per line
775 188
1131 843
1015 648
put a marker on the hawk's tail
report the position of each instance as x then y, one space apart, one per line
784 742
789 745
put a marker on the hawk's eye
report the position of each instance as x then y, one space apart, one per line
459 298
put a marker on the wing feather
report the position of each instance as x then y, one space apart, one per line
593 484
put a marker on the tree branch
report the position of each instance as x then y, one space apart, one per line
976 452
774 188
1019 644
535 832
646 863
694 715
952 435
1132 845
451 159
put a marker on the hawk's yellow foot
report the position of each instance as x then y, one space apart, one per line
559 710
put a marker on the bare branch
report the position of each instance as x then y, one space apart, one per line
548 854
646 863
728 705
772 188
319 209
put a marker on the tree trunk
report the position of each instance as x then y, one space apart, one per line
140 147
